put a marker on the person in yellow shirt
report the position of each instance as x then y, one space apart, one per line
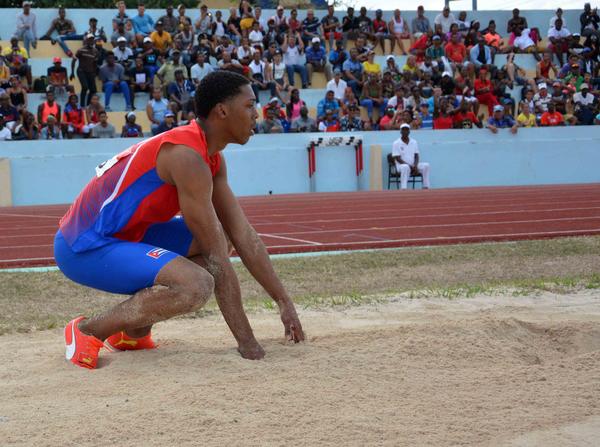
411 65
17 57
526 118
161 39
4 73
370 66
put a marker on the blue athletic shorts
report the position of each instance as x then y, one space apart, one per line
122 266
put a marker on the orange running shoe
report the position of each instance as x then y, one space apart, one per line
123 342
82 349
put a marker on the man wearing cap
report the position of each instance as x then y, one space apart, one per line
445 19
271 123
436 51
498 120
26 27
316 60
337 85
559 37
161 39
123 54
166 73
574 76
87 58
405 151
585 104
65 30
143 24
112 75
541 99
167 124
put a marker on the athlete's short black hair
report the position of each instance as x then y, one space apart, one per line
217 87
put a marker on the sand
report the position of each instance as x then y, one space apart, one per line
508 371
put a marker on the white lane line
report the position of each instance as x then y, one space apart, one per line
30 215
26 259
289 238
27 235
24 246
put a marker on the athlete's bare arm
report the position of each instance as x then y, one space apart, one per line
183 167
252 251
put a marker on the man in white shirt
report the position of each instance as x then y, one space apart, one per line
405 151
5 133
523 43
446 19
337 85
585 102
200 68
559 37
123 54
294 59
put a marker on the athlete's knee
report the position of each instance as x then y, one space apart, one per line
196 289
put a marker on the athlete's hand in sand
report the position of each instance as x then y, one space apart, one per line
251 350
291 323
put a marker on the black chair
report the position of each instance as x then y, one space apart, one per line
394 175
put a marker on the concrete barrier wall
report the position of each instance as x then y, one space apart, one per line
49 172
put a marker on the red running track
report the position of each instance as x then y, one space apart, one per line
350 221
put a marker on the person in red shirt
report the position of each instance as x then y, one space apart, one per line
483 91
419 46
380 27
552 118
441 118
330 123
463 118
73 120
456 51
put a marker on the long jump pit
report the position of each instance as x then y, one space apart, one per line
484 371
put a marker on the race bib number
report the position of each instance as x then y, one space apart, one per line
103 167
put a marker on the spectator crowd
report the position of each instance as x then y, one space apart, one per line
449 78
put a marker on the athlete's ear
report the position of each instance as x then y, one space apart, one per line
221 110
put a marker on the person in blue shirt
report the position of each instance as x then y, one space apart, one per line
328 103
353 72
316 60
182 91
500 121
425 117
337 55
143 25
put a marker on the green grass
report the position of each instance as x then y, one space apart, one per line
38 301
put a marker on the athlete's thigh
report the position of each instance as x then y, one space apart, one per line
173 235
118 267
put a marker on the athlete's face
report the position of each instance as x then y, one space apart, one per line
242 115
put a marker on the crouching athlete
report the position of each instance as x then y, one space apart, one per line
122 234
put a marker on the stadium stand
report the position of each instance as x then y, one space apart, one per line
446 56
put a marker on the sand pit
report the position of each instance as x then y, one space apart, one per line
479 371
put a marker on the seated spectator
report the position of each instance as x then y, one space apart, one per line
98 33
57 76
65 30
337 56
436 52
365 25
543 68
526 118
245 50
353 72
5 133
442 117
171 23
560 38
330 123
123 54
234 29
392 119
425 118
47 108
462 22
483 91
17 59
304 123
351 121
161 40
464 118
121 16
130 128
28 129
362 49
92 112
397 101
143 24
277 72
271 123
181 17
4 73
456 52
8 111
392 68
372 96
112 76
541 99
552 118
560 97
420 24
399 29
156 109
294 106
51 131
139 80
349 26
589 20
103 129
499 120
293 50
261 77
523 42
276 106
328 103
349 100
445 19
493 39
168 123
73 119
228 63
17 94
182 92
370 67
381 31
585 104
26 26
516 21
337 85
331 27
150 56
166 72
480 55
200 69
129 36
256 36
311 28
316 60
405 151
